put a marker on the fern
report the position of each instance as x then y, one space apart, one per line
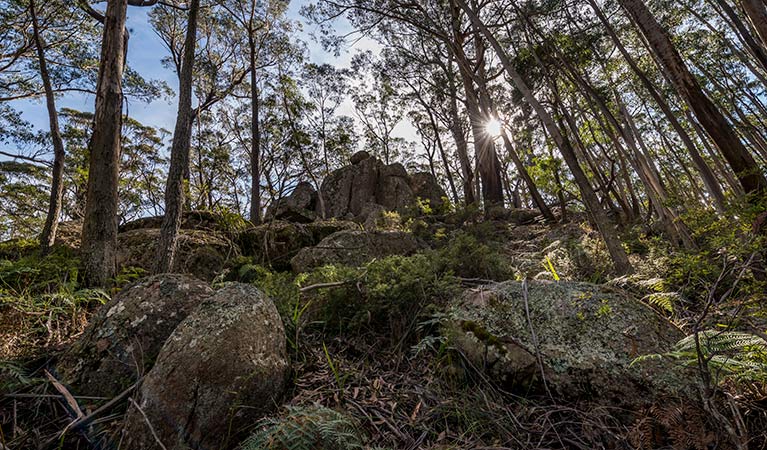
731 354
663 300
306 428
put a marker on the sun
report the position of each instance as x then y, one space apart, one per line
494 128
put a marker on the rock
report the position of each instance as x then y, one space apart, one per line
337 190
588 336
123 340
393 189
191 220
372 216
275 243
201 253
69 234
355 248
359 157
425 186
224 367
299 206
364 184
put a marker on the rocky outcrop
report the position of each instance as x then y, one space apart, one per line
367 180
224 367
299 206
190 220
200 253
355 248
586 337
123 340
275 243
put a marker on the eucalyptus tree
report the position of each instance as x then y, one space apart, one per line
710 116
180 147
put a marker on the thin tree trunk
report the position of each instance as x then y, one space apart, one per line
255 140
531 187
179 156
707 175
99 237
48 236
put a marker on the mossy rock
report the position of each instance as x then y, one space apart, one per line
355 248
224 367
123 340
275 243
587 338
201 253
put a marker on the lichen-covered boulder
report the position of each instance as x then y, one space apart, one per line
199 252
355 248
123 340
275 243
224 367
587 338
299 206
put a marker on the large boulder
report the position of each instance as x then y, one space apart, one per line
123 340
355 248
425 186
224 367
347 191
190 220
299 206
275 243
200 253
587 338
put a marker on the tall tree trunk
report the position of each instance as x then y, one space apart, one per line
757 14
606 229
179 153
255 140
48 235
99 237
523 173
710 117
461 147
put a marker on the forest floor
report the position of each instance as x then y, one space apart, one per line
397 380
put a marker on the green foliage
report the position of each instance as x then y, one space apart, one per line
17 248
728 355
466 256
306 428
40 275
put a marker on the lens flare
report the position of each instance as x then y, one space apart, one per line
494 128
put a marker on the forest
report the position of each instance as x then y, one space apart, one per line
383 224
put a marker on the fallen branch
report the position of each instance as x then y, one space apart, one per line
71 402
324 285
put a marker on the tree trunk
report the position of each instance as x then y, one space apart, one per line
531 187
179 153
707 175
606 229
757 14
99 238
48 235
710 117
255 140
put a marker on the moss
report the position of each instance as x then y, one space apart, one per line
483 335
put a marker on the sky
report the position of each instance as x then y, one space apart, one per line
145 54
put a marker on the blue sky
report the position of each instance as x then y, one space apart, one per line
145 53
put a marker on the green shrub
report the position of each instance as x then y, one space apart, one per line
467 257
17 248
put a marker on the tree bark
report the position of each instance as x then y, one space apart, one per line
99 237
609 234
757 14
179 154
709 116
255 139
48 236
